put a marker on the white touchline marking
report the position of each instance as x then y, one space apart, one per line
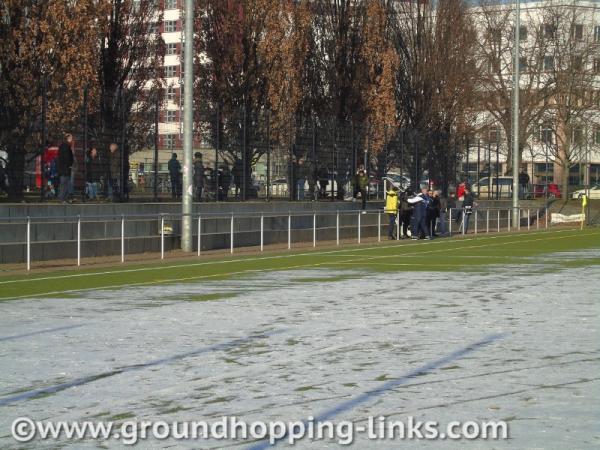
330 252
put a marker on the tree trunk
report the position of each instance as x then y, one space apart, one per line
15 170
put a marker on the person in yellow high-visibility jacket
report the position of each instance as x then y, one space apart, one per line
584 201
391 209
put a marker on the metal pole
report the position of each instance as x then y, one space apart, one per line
262 232
122 238
28 243
487 220
359 227
337 228
78 240
188 123
508 218
155 165
162 237
379 226
268 157
450 221
537 219
218 143
528 219
515 112
476 220
199 234
314 230
44 133
231 239
546 216
519 219
289 231
85 137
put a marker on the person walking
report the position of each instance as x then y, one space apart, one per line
63 167
420 204
523 184
174 174
391 209
468 205
199 178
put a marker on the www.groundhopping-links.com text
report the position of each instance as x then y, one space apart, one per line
130 432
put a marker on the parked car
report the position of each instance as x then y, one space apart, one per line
551 190
593 195
501 187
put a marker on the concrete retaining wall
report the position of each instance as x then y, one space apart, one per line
54 227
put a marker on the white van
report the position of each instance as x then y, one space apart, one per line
493 187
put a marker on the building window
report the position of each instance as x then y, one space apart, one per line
597 136
493 135
171 71
577 63
523 64
171 93
549 30
597 65
577 32
548 62
152 28
170 4
170 26
171 49
171 116
522 33
170 140
597 34
577 136
546 134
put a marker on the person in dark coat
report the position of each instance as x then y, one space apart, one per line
199 178
433 212
420 204
224 182
468 205
95 171
114 171
175 174
406 211
64 165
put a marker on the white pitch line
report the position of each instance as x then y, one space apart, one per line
330 252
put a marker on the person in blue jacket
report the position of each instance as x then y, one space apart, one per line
420 204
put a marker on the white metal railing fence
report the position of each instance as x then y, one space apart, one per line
230 230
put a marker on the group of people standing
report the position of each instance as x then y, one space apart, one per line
426 213
97 169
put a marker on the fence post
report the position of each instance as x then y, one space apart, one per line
498 221
289 231
450 222
487 221
28 243
398 225
537 219
359 227
78 240
262 231
378 226
314 229
546 216
508 220
231 239
519 220
122 238
337 228
528 219
199 234
162 236
476 220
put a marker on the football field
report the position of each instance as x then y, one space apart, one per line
489 328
